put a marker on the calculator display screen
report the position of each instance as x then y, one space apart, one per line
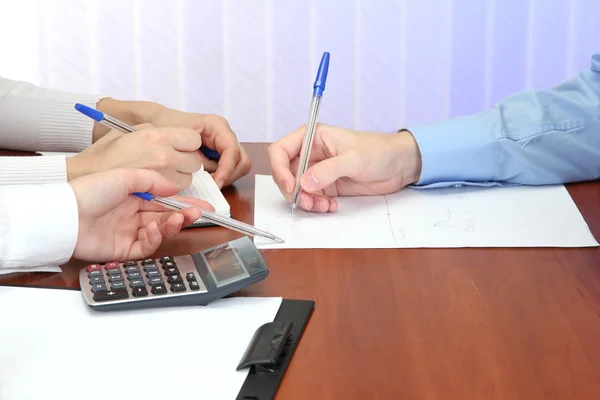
225 264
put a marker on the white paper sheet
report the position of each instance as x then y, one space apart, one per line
54 347
452 217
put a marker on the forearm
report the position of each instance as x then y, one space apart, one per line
129 112
534 138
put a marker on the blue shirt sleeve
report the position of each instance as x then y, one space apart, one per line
536 137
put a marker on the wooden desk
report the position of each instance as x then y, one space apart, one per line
427 323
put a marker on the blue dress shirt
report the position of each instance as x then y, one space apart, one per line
529 138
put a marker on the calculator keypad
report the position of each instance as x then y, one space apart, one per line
146 278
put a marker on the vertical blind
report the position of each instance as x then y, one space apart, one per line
394 63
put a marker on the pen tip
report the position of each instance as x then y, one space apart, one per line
293 207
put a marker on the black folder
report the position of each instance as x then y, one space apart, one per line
272 348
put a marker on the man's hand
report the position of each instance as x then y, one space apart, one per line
171 151
345 163
115 226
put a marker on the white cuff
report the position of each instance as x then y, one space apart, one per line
62 128
32 170
38 225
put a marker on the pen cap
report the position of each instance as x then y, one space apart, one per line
319 86
89 112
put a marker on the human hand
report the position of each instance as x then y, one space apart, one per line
171 151
115 226
216 134
343 162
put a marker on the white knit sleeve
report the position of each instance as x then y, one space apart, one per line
38 119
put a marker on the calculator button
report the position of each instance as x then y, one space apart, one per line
158 289
152 274
169 264
194 285
148 261
95 273
97 279
134 275
150 267
190 276
165 259
155 281
137 283
93 267
113 272
98 287
178 287
115 278
104 295
129 270
171 271
139 292
130 264
176 278
111 265
117 285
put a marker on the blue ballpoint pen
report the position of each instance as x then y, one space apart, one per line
113 123
318 89
213 217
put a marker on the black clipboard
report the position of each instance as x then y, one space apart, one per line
272 348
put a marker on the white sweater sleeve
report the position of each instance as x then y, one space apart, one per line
36 233
38 119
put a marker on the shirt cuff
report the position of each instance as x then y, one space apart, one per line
40 232
460 149
62 128
32 170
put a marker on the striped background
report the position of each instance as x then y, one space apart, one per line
393 62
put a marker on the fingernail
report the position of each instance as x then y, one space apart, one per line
287 188
325 205
310 182
304 202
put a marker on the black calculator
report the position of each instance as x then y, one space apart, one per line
195 279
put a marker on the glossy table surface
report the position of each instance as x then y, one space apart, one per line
425 323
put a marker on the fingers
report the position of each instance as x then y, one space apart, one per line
226 165
192 213
154 233
233 162
280 167
183 139
188 162
317 203
196 202
327 172
149 239
243 166
183 181
144 180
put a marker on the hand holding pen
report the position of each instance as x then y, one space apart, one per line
220 153
173 152
171 203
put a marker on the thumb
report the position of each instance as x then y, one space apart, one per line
328 171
